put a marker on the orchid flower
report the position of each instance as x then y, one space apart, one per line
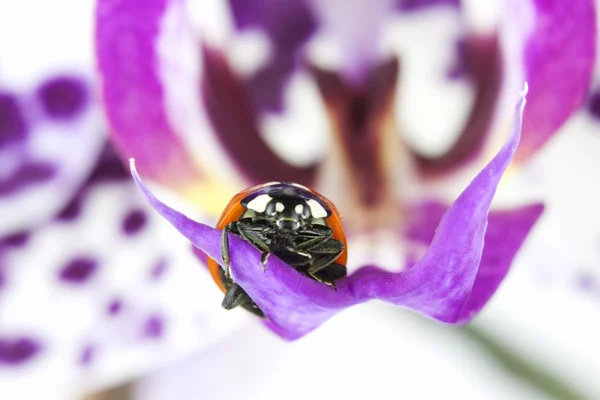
200 120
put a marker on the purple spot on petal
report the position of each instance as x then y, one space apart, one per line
15 240
34 172
2 278
28 173
78 270
133 222
587 282
158 269
416 5
12 122
114 307
63 97
109 167
72 210
87 355
594 104
17 351
153 327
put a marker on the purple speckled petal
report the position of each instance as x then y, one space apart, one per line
134 96
49 141
506 231
559 55
440 285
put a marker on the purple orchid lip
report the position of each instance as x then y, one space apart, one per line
444 284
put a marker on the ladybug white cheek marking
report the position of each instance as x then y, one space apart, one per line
259 204
316 209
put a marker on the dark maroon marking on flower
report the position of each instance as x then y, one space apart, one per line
87 355
13 126
63 97
78 270
154 327
114 307
594 104
134 221
288 25
27 174
158 269
484 65
417 5
232 114
16 351
358 112
17 239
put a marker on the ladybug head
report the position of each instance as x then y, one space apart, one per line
288 213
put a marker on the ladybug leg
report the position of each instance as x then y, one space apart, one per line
256 240
225 248
321 263
234 297
316 241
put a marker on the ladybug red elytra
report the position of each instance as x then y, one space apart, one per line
295 223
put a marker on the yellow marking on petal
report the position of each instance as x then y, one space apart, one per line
509 174
210 195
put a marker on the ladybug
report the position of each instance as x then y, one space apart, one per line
296 224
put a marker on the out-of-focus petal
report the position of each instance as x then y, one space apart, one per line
134 96
413 5
559 51
102 294
50 138
354 27
233 116
288 25
440 285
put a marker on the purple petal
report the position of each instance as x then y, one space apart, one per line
559 57
440 285
134 97
504 236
